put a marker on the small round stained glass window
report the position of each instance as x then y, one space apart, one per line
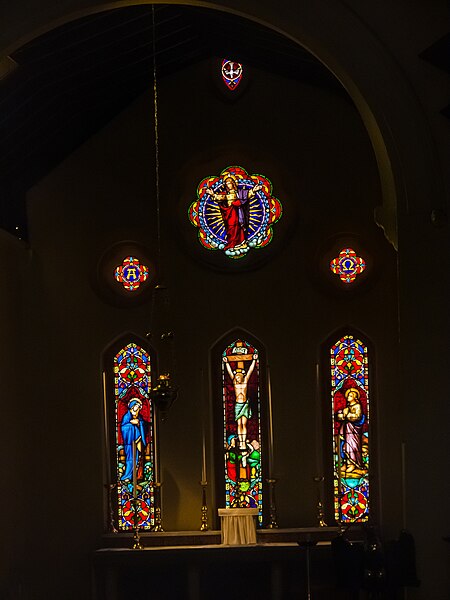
131 273
347 265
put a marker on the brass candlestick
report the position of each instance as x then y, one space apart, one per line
204 519
320 514
157 527
136 538
111 525
272 506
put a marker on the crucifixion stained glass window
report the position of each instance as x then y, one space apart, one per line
242 426
134 433
350 418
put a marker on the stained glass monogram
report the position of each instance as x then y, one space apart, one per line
231 73
242 426
347 265
234 212
350 410
131 273
134 427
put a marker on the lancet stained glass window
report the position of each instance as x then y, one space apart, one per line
134 426
242 426
350 417
235 212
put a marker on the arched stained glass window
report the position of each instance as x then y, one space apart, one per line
350 418
134 436
242 426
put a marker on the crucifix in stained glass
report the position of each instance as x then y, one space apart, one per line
242 426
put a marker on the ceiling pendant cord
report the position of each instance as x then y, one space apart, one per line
155 109
161 297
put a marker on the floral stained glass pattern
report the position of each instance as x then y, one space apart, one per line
134 426
235 212
350 417
231 73
347 265
242 426
131 273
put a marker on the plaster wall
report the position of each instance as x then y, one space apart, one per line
316 151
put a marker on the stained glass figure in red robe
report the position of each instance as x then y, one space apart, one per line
234 207
234 212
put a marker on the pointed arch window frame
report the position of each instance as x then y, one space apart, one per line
112 512
216 411
328 442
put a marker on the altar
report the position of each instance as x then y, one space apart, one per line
283 563
238 525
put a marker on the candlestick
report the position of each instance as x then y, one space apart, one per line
204 510
269 394
339 474
203 457
158 514
320 514
105 418
136 539
156 477
203 413
272 506
403 446
134 470
318 423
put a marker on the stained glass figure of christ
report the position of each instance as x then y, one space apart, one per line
134 427
242 426
234 212
350 416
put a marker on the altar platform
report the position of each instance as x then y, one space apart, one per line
189 565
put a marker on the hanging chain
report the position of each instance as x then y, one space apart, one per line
155 106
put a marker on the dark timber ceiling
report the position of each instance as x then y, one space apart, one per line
71 81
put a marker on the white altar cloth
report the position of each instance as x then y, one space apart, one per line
238 525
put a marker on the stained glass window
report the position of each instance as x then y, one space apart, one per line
347 265
234 212
134 426
350 418
242 426
131 273
231 73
